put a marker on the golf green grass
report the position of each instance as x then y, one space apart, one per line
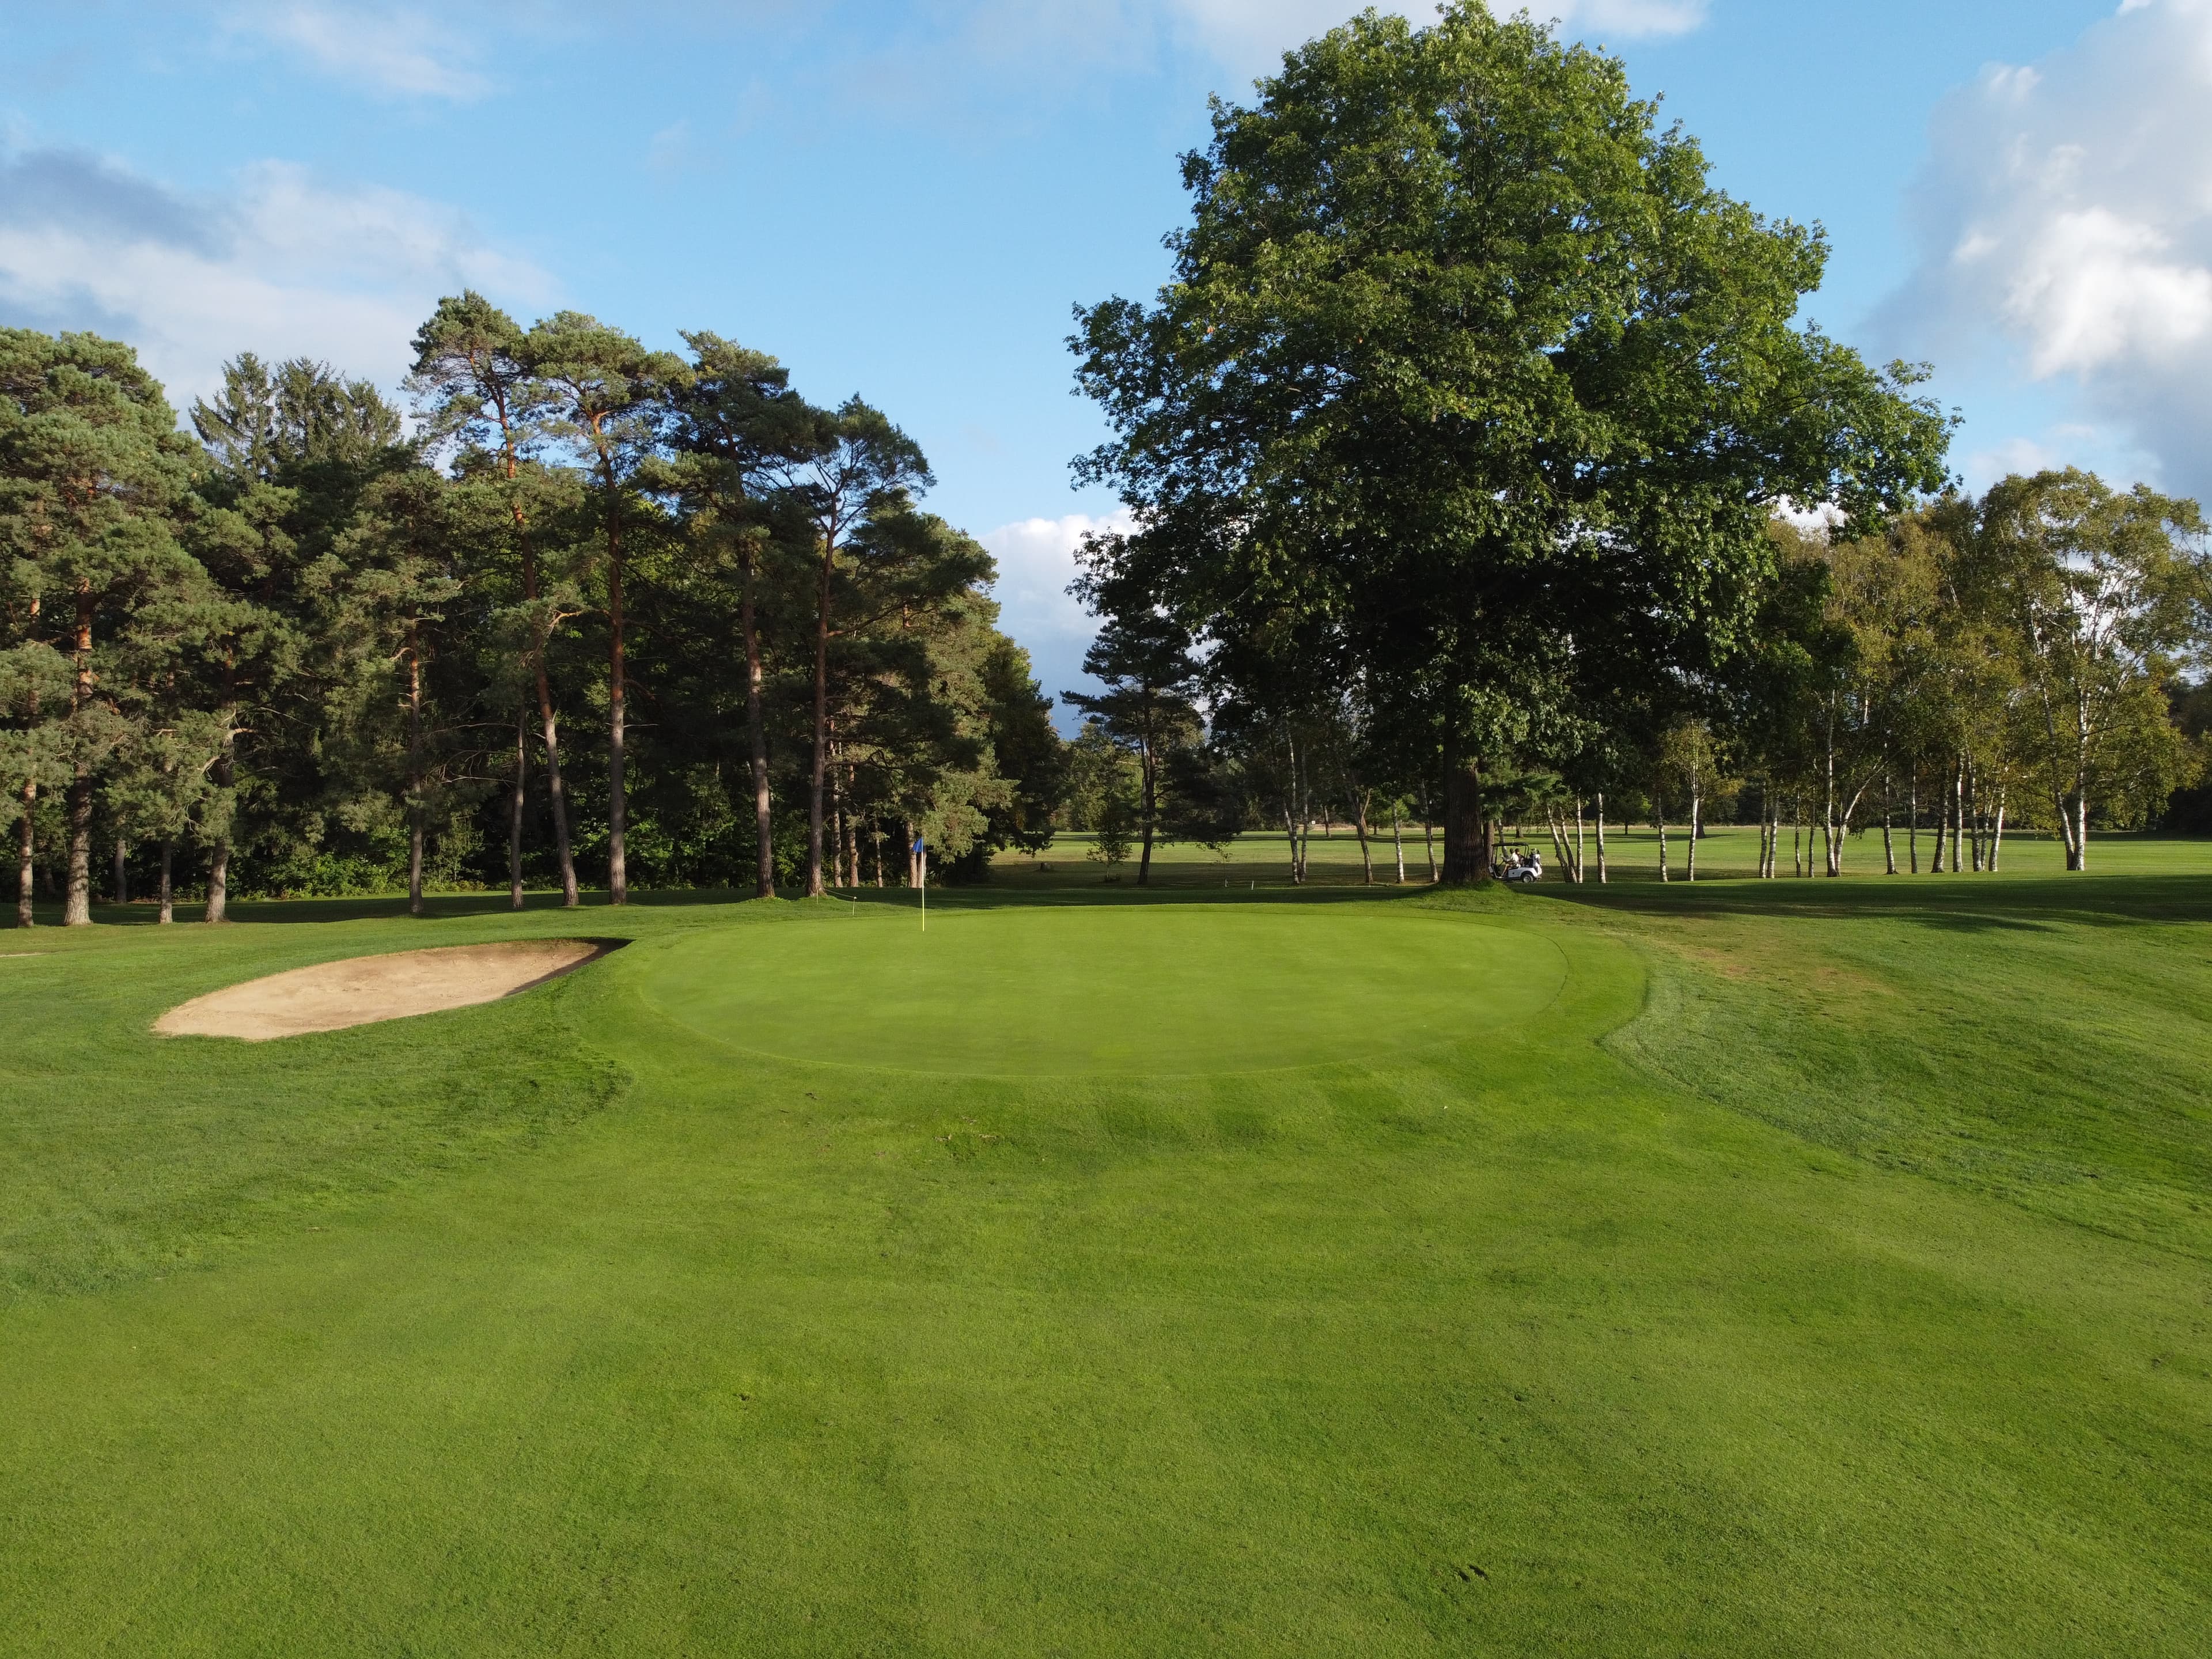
1130 990
1757 1268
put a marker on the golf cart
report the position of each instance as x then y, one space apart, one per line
1516 861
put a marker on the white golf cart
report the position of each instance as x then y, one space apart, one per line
1516 862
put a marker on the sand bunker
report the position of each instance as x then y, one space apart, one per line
359 992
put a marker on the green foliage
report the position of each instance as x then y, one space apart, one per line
1469 388
321 658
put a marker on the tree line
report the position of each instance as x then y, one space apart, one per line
1482 472
1469 448
604 612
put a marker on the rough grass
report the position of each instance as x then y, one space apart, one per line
1822 1270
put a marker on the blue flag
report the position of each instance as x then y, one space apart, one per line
917 843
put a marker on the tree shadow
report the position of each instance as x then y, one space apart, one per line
1957 904
1951 903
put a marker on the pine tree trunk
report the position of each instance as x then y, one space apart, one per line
226 776
27 859
515 808
27 836
817 774
836 824
617 706
218 883
168 892
852 832
756 741
1148 763
549 723
78 912
413 773
557 795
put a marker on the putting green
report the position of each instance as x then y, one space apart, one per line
1123 990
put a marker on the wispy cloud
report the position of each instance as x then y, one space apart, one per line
398 52
282 264
2064 218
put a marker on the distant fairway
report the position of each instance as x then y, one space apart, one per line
1108 991
1788 1268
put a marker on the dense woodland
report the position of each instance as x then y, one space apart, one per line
604 616
1481 472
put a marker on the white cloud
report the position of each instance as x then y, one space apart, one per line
2058 444
1037 562
404 52
2064 217
283 265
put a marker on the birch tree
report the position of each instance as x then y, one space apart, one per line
2104 591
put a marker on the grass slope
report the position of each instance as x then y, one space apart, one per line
1777 1269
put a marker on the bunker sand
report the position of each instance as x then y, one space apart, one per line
363 990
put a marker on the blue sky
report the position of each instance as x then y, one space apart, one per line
903 198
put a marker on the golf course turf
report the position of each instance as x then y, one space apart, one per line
1793 1267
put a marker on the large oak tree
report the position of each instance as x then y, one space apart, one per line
1468 380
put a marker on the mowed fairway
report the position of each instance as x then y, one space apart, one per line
1755 1269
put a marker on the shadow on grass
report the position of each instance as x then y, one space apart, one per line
983 895
1955 904
1966 904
